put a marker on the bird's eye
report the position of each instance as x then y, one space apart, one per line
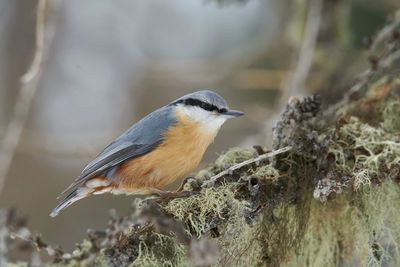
208 107
222 110
205 106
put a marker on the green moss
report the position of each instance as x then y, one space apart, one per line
232 156
391 116
347 230
361 149
80 256
100 261
238 240
267 171
198 210
205 173
83 250
160 250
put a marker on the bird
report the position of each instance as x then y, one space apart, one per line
153 153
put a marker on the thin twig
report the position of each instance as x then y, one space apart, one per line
296 81
384 33
28 237
38 57
362 80
271 154
29 84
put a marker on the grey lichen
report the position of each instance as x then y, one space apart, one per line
391 115
232 156
159 250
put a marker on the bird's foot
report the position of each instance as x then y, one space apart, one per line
180 188
165 196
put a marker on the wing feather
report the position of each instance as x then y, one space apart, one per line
140 139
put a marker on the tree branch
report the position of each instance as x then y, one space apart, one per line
271 154
29 84
296 81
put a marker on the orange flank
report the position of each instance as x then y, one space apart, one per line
180 152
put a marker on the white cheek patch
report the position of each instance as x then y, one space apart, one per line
93 183
215 123
211 120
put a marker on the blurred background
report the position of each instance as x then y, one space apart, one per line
106 64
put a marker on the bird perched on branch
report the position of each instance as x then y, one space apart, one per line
153 153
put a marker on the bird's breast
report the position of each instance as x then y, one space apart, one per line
180 152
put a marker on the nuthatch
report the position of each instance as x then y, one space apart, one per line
153 153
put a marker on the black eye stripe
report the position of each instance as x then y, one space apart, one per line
199 103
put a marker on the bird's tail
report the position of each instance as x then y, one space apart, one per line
76 195
93 186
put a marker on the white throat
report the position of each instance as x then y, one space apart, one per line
210 120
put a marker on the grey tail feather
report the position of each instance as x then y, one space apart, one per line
68 200
74 184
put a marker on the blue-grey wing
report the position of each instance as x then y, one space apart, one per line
140 139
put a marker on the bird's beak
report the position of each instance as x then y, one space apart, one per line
232 113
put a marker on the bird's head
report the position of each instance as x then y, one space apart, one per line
206 107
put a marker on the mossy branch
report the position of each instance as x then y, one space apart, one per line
237 166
